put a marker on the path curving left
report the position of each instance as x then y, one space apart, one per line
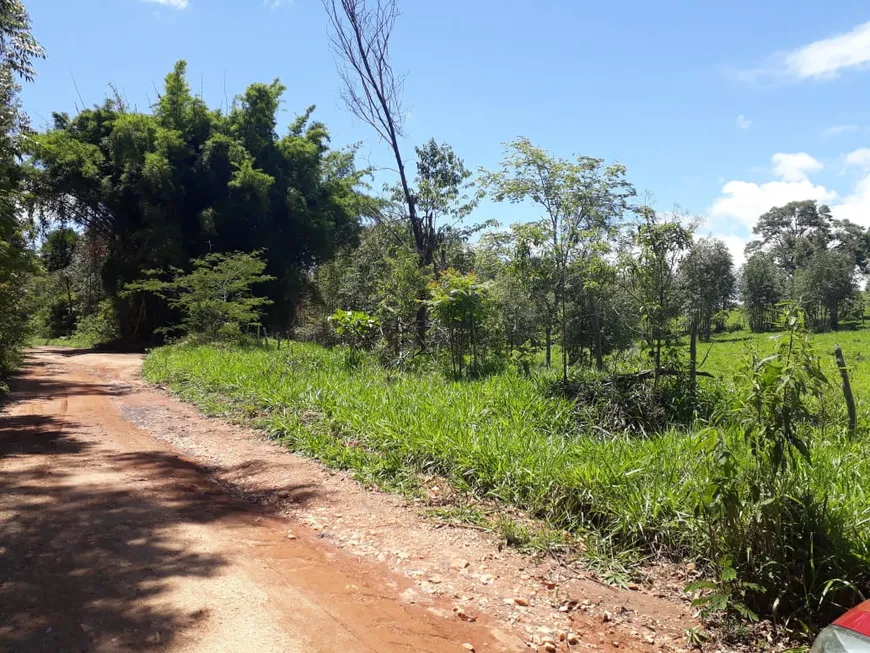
112 541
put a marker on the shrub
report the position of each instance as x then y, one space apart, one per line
633 402
215 298
99 328
768 533
357 331
460 304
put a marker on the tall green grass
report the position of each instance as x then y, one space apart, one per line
502 437
72 342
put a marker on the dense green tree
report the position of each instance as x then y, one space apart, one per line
826 287
762 288
819 257
709 283
661 244
583 201
792 233
18 50
162 188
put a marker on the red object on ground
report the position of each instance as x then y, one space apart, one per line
857 619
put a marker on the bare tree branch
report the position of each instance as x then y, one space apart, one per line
360 37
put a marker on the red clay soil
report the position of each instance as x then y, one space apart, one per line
128 521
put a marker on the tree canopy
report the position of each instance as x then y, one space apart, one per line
164 187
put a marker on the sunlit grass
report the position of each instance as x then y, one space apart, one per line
502 438
72 342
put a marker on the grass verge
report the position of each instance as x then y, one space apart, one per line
72 342
503 439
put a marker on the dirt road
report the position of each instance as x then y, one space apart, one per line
110 540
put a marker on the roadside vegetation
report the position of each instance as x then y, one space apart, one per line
18 51
781 532
600 365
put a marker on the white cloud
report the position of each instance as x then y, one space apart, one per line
175 4
737 246
836 130
856 206
740 203
827 57
859 157
794 167
746 200
743 122
822 59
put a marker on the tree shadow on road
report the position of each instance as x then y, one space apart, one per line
35 434
70 352
89 543
32 387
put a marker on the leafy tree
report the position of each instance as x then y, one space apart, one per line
762 288
460 303
18 50
215 299
791 234
535 269
820 257
660 246
583 201
826 286
709 283
848 237
159 189
442 191
18 47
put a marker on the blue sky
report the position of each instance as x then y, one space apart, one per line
724 109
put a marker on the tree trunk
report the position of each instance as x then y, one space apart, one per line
564 327
564 351
70 305
474 345
549 345
693 357
421 324
596 334
847 390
